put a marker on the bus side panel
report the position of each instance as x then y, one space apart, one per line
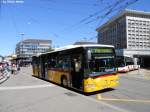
99 83
55 76
35 71
123 69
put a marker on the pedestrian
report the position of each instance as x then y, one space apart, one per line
13 69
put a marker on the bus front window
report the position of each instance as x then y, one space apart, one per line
102 65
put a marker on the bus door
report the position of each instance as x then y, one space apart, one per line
76 72
42 61
46 70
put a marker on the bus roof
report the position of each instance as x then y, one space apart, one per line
77 46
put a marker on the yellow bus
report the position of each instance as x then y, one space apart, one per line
87 68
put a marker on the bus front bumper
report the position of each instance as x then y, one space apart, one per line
100 83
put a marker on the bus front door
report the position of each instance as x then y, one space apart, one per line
76 73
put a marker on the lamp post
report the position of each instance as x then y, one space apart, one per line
21 46
22 35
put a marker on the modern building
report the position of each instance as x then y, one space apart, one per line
30 47
129 32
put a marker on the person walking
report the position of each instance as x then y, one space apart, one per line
14 69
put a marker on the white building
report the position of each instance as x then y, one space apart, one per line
129 32
30 47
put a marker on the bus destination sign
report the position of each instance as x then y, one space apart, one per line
101 50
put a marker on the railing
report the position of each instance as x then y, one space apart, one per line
4 75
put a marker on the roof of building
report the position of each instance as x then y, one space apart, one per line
127 11
35 41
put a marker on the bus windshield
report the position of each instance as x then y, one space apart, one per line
101 63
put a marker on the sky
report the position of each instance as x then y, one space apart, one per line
62 21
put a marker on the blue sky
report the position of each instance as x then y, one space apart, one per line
62 21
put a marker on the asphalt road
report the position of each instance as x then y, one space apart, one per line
133 94
24 93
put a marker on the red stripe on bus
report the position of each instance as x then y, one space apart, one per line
105 75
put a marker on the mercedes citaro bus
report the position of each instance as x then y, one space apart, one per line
86 68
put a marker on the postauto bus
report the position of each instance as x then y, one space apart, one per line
86 68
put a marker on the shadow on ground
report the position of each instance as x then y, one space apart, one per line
78 91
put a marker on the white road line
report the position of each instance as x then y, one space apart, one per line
125 100
25 87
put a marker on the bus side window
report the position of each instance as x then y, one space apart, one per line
63 64
59 64
51 63
66 65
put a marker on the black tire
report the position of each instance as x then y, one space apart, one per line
64 82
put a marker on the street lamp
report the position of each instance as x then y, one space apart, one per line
22 35
21 46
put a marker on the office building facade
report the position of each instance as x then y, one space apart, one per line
30 47
129 32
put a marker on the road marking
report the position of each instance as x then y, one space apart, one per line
125 100
25 87
99 97
102 103
106 104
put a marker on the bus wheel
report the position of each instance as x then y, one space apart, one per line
64 82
